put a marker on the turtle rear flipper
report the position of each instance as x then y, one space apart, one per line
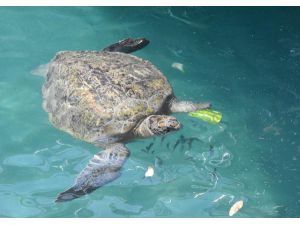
41 70
102 168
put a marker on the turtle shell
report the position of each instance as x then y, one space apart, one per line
95 94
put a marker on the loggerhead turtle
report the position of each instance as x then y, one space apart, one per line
107 98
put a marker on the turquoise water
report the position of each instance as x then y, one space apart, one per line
245 61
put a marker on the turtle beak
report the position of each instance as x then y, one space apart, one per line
173 124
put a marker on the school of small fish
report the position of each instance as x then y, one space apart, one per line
234 208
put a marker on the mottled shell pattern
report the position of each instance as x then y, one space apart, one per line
94 94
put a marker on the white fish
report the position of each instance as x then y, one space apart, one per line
178 66
149 172
236 207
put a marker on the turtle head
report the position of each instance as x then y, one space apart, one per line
157 125
162 124
128 45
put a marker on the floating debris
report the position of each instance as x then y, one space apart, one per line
40 150
178 66
207 115
236 207
218 199
295 52
149 172
59 167
199 194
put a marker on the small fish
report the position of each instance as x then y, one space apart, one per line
162 139
158 161
211 151
190 158
214 175
149 172
144 150
178 66
168 145
149 147
176 144
236 207
182 141
190 141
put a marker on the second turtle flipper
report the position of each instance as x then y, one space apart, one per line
128 45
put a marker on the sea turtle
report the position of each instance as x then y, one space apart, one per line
107 98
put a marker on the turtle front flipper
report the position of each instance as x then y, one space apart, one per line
187 106
103 168
128 45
